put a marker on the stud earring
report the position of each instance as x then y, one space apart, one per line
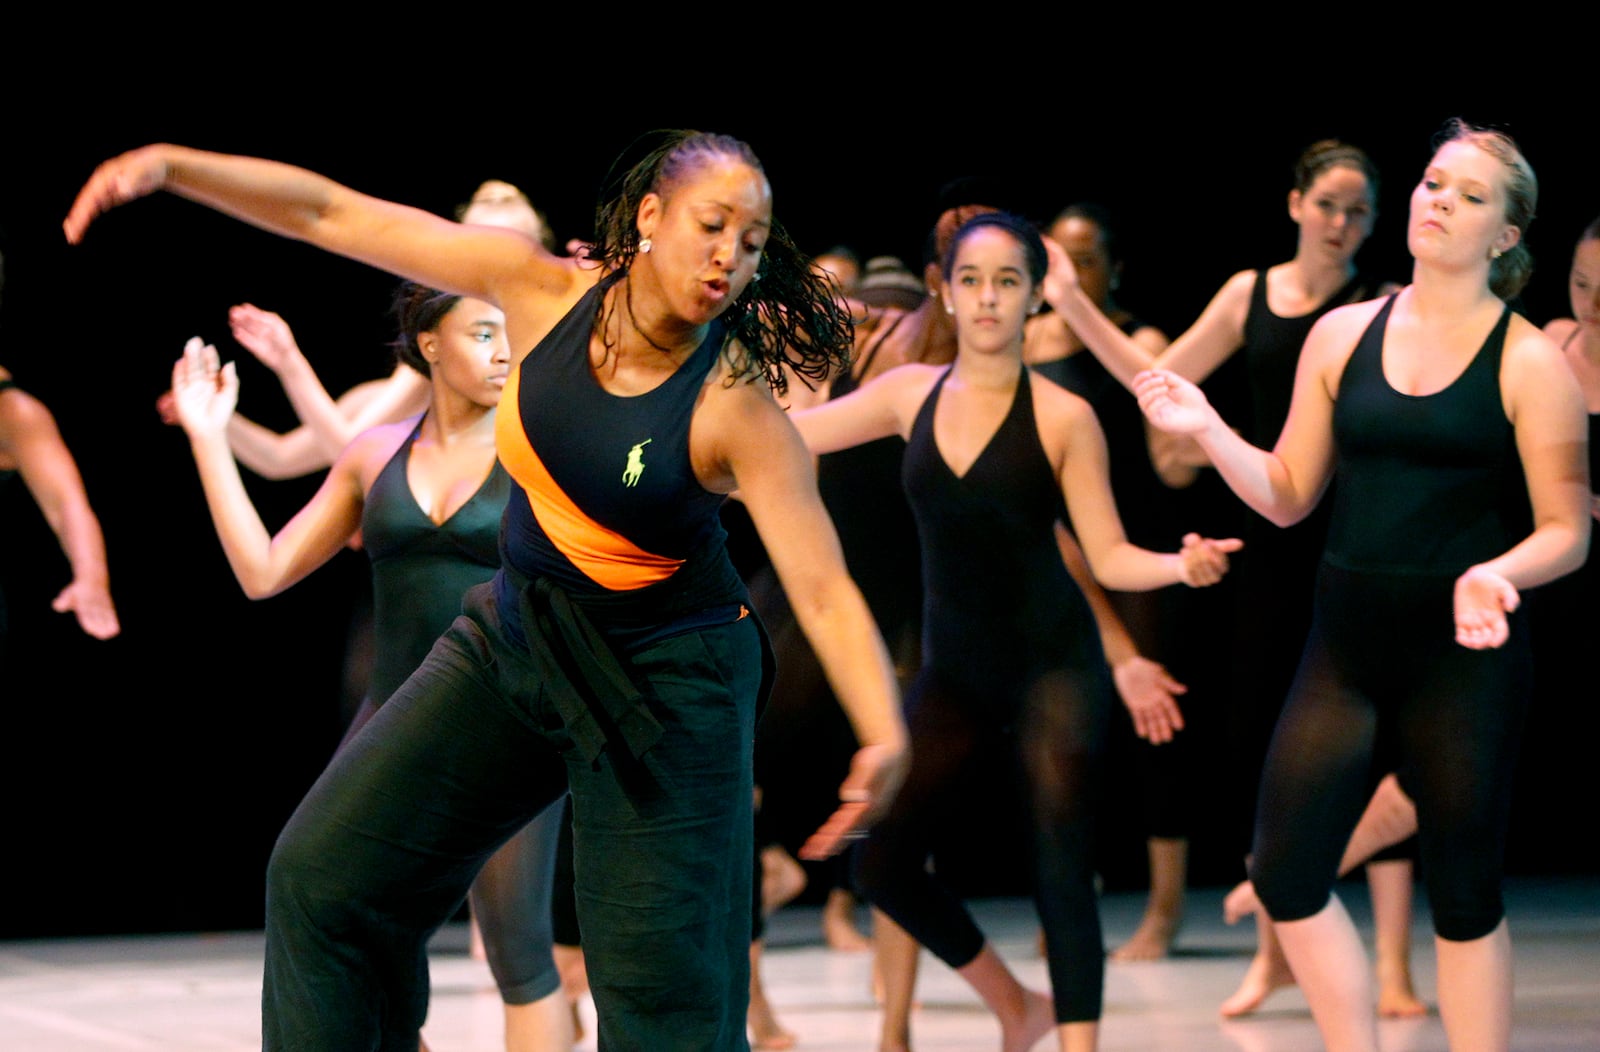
645 244
948 309
1495 253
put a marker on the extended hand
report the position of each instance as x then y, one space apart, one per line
117 181
203 396
1061 277
1151 696
264 334
1172 403
1482 601
91 603
1205 560
875 775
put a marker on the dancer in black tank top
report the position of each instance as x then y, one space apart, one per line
1011 661
1254 328
1455 431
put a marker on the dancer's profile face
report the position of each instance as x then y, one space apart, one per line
468 352
707 233
1583 285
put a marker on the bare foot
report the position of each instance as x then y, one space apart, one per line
782 878
765 1032
1267 972
1396 997
839 923
1152 940
1038 1019
1240 903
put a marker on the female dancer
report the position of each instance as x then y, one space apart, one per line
1447 419
1579 339
327 424
426 494
991 453
613 651
1265 316
1089 237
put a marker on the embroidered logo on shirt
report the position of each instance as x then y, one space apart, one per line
635 468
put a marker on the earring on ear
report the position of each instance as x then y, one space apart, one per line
1495 253
645 244
949 308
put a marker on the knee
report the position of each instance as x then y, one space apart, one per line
1285 894
1462 912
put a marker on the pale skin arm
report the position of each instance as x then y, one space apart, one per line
1286 483
1546 410
1146 688
1215 335
764 457
264 564
332 424
29 439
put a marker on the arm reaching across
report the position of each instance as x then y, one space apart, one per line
30 440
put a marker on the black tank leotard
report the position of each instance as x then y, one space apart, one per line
1426 487
1011 661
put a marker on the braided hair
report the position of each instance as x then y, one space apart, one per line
786 316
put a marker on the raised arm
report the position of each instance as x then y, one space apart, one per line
765 458
30 439
1215 335
479 261
883 406
263 563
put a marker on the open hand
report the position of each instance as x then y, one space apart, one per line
117 181
1172 403
1482 601
1151 696
203 395
264 334
876 772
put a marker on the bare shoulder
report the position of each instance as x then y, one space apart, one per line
1561 329
536 298
1533 360
369 451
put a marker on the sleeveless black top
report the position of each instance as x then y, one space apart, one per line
421 570
1424 483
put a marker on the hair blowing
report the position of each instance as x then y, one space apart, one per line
1510 271
786 316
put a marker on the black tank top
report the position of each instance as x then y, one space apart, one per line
999 604
1271 348
420 570
1424 483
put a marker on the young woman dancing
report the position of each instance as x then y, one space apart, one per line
427 495
1264 316
1456 433
613 651
1011 658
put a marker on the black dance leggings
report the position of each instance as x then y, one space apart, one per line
1383 677
1058 738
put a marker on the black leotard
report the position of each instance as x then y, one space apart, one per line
1011 661
421 569
1427 486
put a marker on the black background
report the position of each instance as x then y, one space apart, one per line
144 778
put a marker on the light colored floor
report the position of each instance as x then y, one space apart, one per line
200 992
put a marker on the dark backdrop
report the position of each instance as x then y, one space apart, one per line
145 778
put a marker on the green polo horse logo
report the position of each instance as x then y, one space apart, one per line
635 468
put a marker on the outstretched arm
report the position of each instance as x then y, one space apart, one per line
767 461
479 261
264 564
29 435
